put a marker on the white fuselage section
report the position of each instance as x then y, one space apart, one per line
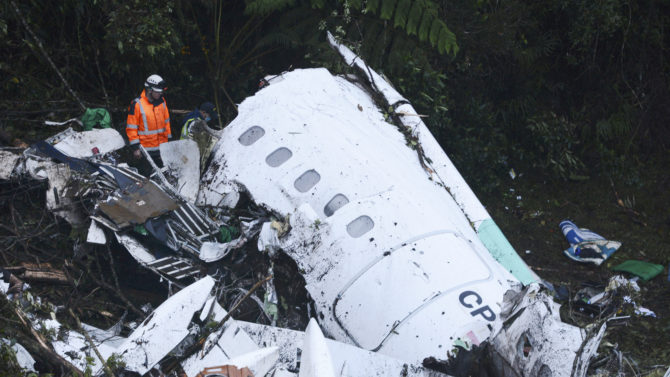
389 257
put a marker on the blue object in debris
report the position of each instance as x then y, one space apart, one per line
575 235
595 251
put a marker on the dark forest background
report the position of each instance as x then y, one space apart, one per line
551 110
565 88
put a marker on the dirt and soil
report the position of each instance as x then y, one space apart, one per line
635 212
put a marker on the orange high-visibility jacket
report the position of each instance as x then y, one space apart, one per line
147 124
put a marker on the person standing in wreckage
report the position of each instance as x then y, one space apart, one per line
195 127
148 121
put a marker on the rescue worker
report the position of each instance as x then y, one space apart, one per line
148 121
194 127
206 112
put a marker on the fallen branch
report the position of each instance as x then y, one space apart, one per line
220 328
108 371
41 347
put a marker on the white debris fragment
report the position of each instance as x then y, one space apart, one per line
89 143
259 362
23 357
233 342
136 249
182 158
166 327
95 234
59 198
267 239
535 342
316 360
8 161
347 360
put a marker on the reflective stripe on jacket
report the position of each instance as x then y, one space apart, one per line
147 124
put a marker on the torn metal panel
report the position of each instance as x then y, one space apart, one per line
8 161
171 267
182 159
137 204
174 268
90 143
165 328
95 234
315 359
59 198
136 249
74 163
347 360
534 341
254 363
234 342
36 169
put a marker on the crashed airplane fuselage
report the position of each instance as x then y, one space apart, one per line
385 251
390 251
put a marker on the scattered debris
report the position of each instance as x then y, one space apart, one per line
401 260
585 245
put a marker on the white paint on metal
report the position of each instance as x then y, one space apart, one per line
182 158
59 197
347 360
535 341
315 359
23 357
136 249
87 143
234 342
8 161
95 234
166 327
259 362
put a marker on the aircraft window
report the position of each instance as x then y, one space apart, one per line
278 157
338 201
307 180
360 226
251 135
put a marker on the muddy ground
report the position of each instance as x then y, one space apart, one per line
633 210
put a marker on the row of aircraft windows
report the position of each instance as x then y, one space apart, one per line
306 181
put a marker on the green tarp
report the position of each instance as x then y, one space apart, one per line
96 118
644 270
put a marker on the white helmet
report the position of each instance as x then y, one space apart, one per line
155 83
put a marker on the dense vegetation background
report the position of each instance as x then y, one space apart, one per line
563 103
569 87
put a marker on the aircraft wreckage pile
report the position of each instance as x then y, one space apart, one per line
401 260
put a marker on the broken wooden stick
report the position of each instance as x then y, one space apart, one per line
219 332
105 367
42 346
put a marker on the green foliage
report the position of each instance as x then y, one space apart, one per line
115 363
141 30
10 367
264 7
553 143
